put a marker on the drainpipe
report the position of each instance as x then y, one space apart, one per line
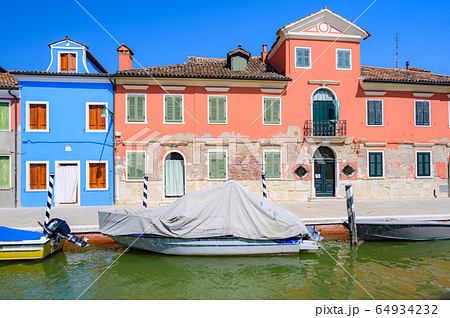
15 146
113 83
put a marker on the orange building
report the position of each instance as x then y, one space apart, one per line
306 113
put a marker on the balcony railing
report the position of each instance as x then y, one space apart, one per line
330 128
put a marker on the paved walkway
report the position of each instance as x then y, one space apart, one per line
85 219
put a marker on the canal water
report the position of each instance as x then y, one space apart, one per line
387 270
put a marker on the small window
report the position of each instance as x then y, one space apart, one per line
238 63
272 164
344 59
301 171
272 110
68 62
135 165
217 111
348 170
422 113
97 176
173 108
136 108
38 115
374 112
4 116
96 120
423 164
302 57
376 164
37 173
217 165
5 172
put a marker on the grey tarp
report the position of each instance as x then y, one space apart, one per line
227 209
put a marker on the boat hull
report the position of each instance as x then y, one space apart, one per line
28 250
214 246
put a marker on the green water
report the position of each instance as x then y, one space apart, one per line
387 270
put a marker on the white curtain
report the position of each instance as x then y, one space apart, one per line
66 184
174 170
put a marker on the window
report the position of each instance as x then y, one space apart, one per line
5 172
68 62
302 57
136 108
301 171
135 165
376 164
217 165
97 175
4 116
272 110
217 111
173 108
375 113
95 120
423 164
272 164
238 63
422 113
343 59
37 176
37 116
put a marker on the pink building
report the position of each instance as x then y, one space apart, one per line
305 113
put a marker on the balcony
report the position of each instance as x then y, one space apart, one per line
323 130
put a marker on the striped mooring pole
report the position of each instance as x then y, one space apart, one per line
144 203
263 176
49 198
351 214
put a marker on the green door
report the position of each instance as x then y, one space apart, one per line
324 118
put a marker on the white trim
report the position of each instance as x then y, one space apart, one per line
216 89
272 97
431 164
382 165
27 116
9 119
105 104
59 61
182 110
106 172
164 172
324 82
226 109
138 87
423 94
173 88
281 162
27 177
310 57
375 93
51 59
429 113
59 162
126 109
126 163
344 69
10 171
84 62
382 113
272 90
226 163
72 78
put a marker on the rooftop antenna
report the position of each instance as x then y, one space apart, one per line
396 50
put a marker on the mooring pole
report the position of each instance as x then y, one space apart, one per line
263 177
351 214
145 190
49 198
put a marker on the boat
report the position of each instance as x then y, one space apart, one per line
394 229
227 219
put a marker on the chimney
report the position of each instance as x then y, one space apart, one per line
407 65
264 53
125 57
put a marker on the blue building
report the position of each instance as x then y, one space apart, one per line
67 129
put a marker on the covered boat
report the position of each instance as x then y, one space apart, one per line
226 219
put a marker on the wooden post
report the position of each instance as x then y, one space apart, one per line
351 214
51 182
144 203
263 176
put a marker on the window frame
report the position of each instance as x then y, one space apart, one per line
429 113
430 152
27 116
9 114
105 104
76 61
226 110
145 109
310 57
382 164
281 164
226 163
263 110
367 113
10 170
88 162
27 178
164 110
126 165
337 60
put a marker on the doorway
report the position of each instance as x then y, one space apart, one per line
324 172
325 113
67 182
174 175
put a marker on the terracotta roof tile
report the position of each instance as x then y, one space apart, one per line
7 80
411 75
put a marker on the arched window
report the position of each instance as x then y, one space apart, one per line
323 95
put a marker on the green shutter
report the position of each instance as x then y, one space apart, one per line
272 110
4 172
272 166
375 164
4 116
135 165
173 108
217 109
423 164
136 108
217 165
303 57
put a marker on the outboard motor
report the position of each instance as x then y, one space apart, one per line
313 234
56 229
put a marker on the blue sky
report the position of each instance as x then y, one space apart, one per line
166 32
